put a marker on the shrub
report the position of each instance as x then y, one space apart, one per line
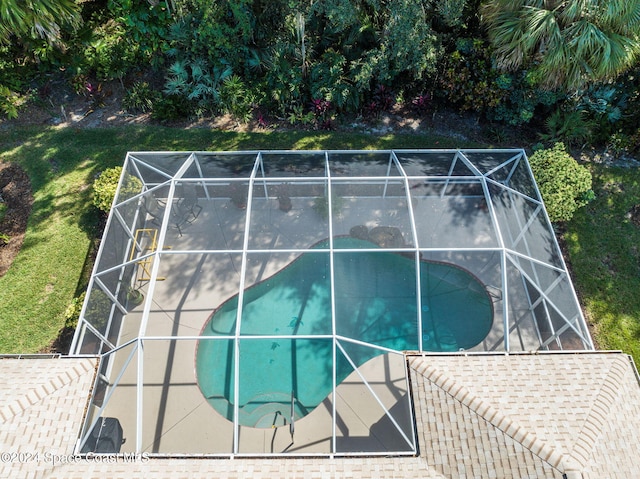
195 81
564 184
571 127
470 80
145 24
9 102
172 107
72 313
604 106
105 186
235 99
110 53
140 98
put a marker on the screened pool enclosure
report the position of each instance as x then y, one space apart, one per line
259 303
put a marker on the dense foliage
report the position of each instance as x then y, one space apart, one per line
564 184
568 43
106 185
36 18
311 63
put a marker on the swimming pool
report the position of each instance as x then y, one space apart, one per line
375 303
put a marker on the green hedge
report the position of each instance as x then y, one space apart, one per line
565 185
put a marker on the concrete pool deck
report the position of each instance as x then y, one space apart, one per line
178 419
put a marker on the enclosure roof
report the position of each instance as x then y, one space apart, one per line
268 281
511 219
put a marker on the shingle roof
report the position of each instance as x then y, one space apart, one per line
478 416
576 414
42 404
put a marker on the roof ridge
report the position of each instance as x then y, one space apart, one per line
600 411
39 392
489 413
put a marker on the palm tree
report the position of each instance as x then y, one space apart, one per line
36 18
569 43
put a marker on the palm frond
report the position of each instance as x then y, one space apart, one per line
37 18
572 42
542 27
178 69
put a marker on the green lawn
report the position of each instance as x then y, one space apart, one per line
604 245
604 248
62 164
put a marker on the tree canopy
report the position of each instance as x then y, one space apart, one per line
36 18
569 43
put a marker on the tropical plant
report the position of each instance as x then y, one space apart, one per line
140 98
235 99
567 43
171 108
219 33
470 80
382 100
36 18
196 81
564 184
146 24
9 102
422 103
522 96
110 53
298 115
604 106
571 127
329 81
323 111
467 77
451 11
284 79
404 45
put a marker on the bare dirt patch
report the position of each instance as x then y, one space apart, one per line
17 200
60 106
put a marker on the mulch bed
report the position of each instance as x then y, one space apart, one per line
15 191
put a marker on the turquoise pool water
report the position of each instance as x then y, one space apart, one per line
375 302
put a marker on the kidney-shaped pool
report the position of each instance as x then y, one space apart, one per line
375 302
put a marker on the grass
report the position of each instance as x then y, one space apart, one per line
604 248
62 164
603 244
